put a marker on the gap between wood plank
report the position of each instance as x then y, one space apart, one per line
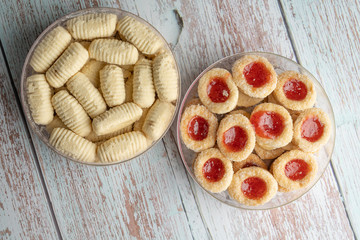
32 147
292 42
192 190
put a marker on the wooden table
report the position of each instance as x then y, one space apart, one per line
44 196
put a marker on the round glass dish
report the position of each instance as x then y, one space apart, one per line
27 71
280 64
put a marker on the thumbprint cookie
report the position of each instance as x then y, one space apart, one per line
295 91
236 137
312 130
213 170
255 76
247 101
243 112
268 154
273 125
217 91
198 128
252 161
253 186
294 169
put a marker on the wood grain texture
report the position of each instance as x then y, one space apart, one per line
151 197
24 209
139 199
326 38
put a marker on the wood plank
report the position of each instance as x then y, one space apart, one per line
140 199
24 209
326 38
230 27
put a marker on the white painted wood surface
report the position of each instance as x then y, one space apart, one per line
326 40
24 209
152 196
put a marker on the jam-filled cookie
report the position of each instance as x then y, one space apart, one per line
236 137
312 130
243 112
295 91
217 91
280 188
198 128
252 161
253 186
247 101
268 154
213 170
294 169
273 125
255 76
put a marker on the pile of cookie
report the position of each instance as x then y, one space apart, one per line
255 132
111 83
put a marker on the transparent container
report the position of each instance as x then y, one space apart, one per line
280 64
27 71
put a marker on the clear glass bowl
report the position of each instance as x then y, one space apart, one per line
27 70
280 64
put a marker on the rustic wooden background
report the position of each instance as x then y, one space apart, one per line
43 196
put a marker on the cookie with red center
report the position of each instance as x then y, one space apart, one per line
198 128
295 91
251 161
273 125
217 91
255 76
236 137
213 170
294 169
253 186
312 130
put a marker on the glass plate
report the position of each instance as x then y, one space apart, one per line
280 64
27 70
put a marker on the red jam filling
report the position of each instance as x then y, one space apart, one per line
198 128
235 139
218 91
256 74
296 169
213 170
267 124
254 187
295 90
312 129
249 164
